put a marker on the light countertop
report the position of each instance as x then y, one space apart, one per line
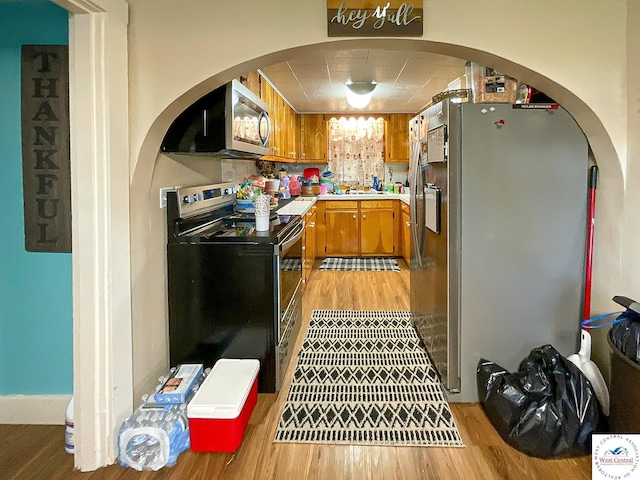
404 197
301 205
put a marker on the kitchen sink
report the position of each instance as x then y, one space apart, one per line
363 192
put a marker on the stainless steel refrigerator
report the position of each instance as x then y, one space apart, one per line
498 205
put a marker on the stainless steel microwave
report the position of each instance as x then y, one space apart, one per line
229 122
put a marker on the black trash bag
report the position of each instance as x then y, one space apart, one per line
625 335
546 409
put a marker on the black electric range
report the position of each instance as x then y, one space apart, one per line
233 291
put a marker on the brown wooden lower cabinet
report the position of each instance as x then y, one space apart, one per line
377 221
352 228
405 227
309 243
342 232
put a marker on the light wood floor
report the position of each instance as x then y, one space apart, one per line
36 452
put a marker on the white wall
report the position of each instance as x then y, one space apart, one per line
575 50
632 210
630 267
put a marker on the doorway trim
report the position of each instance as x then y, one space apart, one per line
98 107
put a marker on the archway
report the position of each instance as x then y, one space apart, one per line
148 245
594 130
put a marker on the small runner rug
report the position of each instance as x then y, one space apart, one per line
368 264
291 264
364 378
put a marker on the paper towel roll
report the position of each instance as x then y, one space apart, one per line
263 203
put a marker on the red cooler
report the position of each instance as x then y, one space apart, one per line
219 411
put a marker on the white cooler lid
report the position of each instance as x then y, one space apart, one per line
225 390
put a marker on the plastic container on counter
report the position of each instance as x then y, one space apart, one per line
490 86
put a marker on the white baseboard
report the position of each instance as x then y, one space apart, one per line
33 409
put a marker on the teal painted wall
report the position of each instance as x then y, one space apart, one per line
36 333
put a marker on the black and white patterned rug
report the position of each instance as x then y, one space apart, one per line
364 378
360 263
291 264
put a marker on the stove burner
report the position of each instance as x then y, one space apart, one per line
249 217
224 224
237 226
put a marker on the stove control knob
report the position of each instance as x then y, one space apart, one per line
190 198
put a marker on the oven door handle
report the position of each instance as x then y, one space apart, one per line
292 238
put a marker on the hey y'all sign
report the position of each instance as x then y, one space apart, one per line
364 18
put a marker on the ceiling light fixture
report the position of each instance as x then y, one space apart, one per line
359 93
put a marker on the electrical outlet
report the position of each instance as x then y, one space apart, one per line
163 195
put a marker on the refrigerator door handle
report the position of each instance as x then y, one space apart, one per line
432 208
416 229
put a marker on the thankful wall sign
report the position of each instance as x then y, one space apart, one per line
363 18
46 174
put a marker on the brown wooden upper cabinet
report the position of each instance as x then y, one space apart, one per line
285 126
293 134
313 138
252 81
266 94
303 137
397 137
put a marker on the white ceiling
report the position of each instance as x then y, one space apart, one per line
406 80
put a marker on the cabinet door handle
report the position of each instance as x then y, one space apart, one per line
408 224
354 217
364 216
